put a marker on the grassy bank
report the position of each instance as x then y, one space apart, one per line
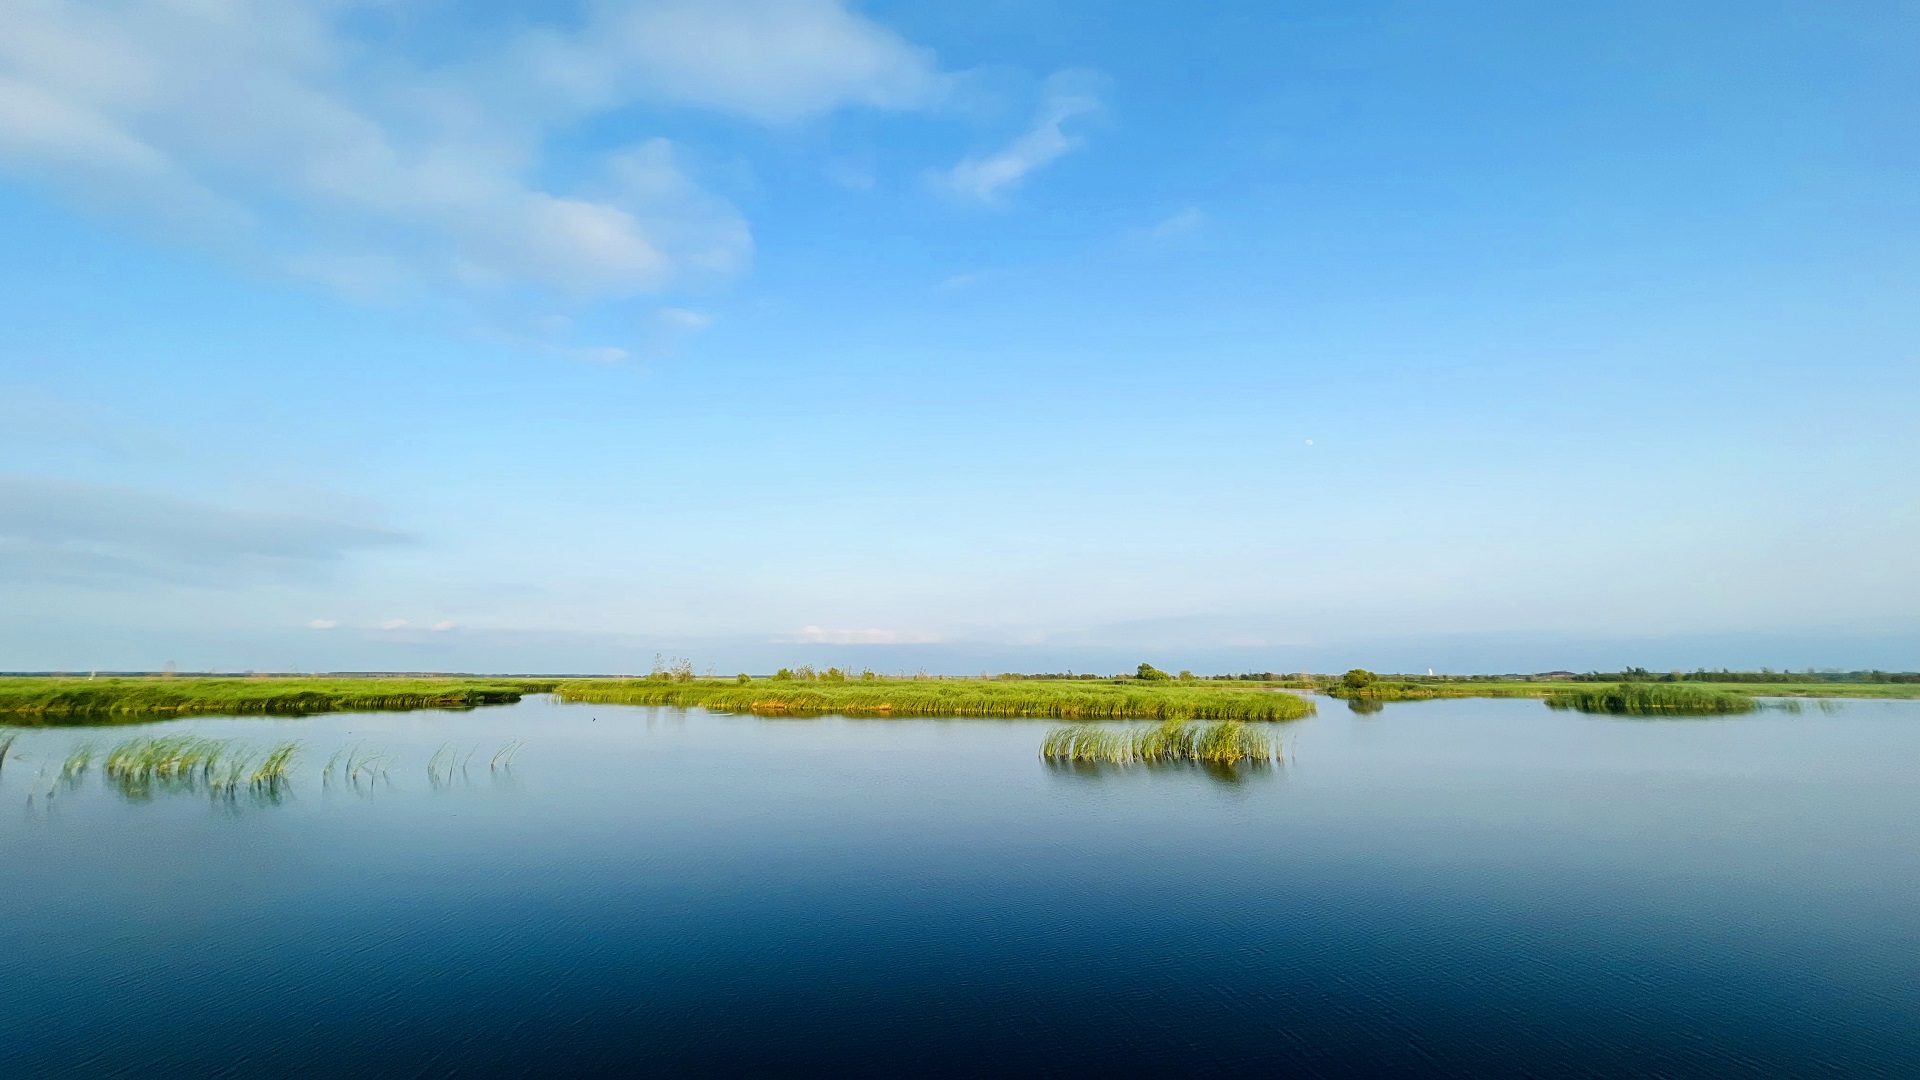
1653 699
1066 700
1414 689
74 701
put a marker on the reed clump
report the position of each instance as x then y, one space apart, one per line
193 763
271 773
1653 699
1063 699
78 761
1224 742
79 701
179 761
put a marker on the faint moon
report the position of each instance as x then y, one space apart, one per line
1309 442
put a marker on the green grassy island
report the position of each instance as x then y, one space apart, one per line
1147 694
1065 699
1635 692
30 700
1653 699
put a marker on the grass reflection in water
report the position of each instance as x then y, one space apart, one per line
140 769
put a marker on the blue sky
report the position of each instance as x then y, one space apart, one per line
1486 336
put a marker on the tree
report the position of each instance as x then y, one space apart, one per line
1358 679
1149 673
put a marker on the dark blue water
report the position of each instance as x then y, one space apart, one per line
1470 888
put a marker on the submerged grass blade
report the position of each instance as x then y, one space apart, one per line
503 758
78 761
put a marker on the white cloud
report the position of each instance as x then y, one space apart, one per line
1179 224
777 61
599 354
868 636
851 175
323 624
287 127
393 624
442 626
1068 95
683 320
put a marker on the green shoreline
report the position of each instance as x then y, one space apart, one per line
32 699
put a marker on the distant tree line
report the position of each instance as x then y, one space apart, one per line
679 669
1764 675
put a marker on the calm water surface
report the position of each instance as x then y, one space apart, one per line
1451 888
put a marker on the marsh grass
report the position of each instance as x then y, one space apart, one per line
440 765
180 762
356 763
271 773
503 758
141 767
230 776
78 760
368 765
1654 699
1224 742
448 763
1391 690
1415 688
1061 699
6 748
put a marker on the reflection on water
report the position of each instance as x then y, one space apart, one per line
1229 774
232 773
1490 888
1365 706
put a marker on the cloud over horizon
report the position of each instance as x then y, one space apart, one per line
76 533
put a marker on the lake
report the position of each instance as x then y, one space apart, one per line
1445 888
